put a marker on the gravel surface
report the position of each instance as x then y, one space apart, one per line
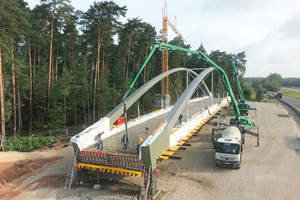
270 171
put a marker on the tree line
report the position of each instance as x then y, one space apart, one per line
62 67
273 82
289 82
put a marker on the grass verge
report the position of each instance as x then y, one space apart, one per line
291 94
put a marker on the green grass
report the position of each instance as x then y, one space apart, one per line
291 94
253 97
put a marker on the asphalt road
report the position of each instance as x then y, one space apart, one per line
297 89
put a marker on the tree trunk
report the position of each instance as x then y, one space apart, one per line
94 97
145 78
92 69
2 116
30 89
69 57
73 58
86 48
145 66
86 87
53 67
88 99
33 75
65 107
102 75
14 128
56 65
84 115
34 56
19 112
39 57
97 75
128 56
50 64
75 115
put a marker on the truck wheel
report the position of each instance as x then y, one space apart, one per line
243 141
217 165
238 166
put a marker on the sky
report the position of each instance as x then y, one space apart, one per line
267 30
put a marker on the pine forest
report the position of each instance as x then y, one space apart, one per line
62 67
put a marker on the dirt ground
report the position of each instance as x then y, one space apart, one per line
270 171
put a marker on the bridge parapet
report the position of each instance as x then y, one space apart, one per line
111 159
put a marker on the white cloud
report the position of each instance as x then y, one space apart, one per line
268 30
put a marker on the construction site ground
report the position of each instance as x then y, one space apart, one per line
270 171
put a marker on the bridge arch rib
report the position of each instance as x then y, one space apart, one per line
159 142
118 111
88 136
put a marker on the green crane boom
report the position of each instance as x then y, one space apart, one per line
200 55
243 106
237 80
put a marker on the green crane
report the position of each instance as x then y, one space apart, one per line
244 121
242 105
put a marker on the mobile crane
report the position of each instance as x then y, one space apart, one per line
234 133
229 147
242 105
242 121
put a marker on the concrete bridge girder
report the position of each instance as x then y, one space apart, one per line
159 142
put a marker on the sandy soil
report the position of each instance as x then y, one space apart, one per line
17 167
270 171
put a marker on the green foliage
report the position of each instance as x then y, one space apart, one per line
22 144
291 94
37 142
81 40
291 82
272 83
248 91
259 93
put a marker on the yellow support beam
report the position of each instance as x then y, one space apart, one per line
164 157
168 153
186 138
108 169
192 133
173 148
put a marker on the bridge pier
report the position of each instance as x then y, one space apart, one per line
161 101
150 183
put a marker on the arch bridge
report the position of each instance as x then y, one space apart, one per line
166 138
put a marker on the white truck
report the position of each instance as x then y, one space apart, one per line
229 148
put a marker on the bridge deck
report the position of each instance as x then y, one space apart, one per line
113 143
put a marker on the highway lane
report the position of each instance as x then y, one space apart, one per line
292 101
297 89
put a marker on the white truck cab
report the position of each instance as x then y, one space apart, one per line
229 148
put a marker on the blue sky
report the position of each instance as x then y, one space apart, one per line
268 31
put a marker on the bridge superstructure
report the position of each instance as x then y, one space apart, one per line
164 138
